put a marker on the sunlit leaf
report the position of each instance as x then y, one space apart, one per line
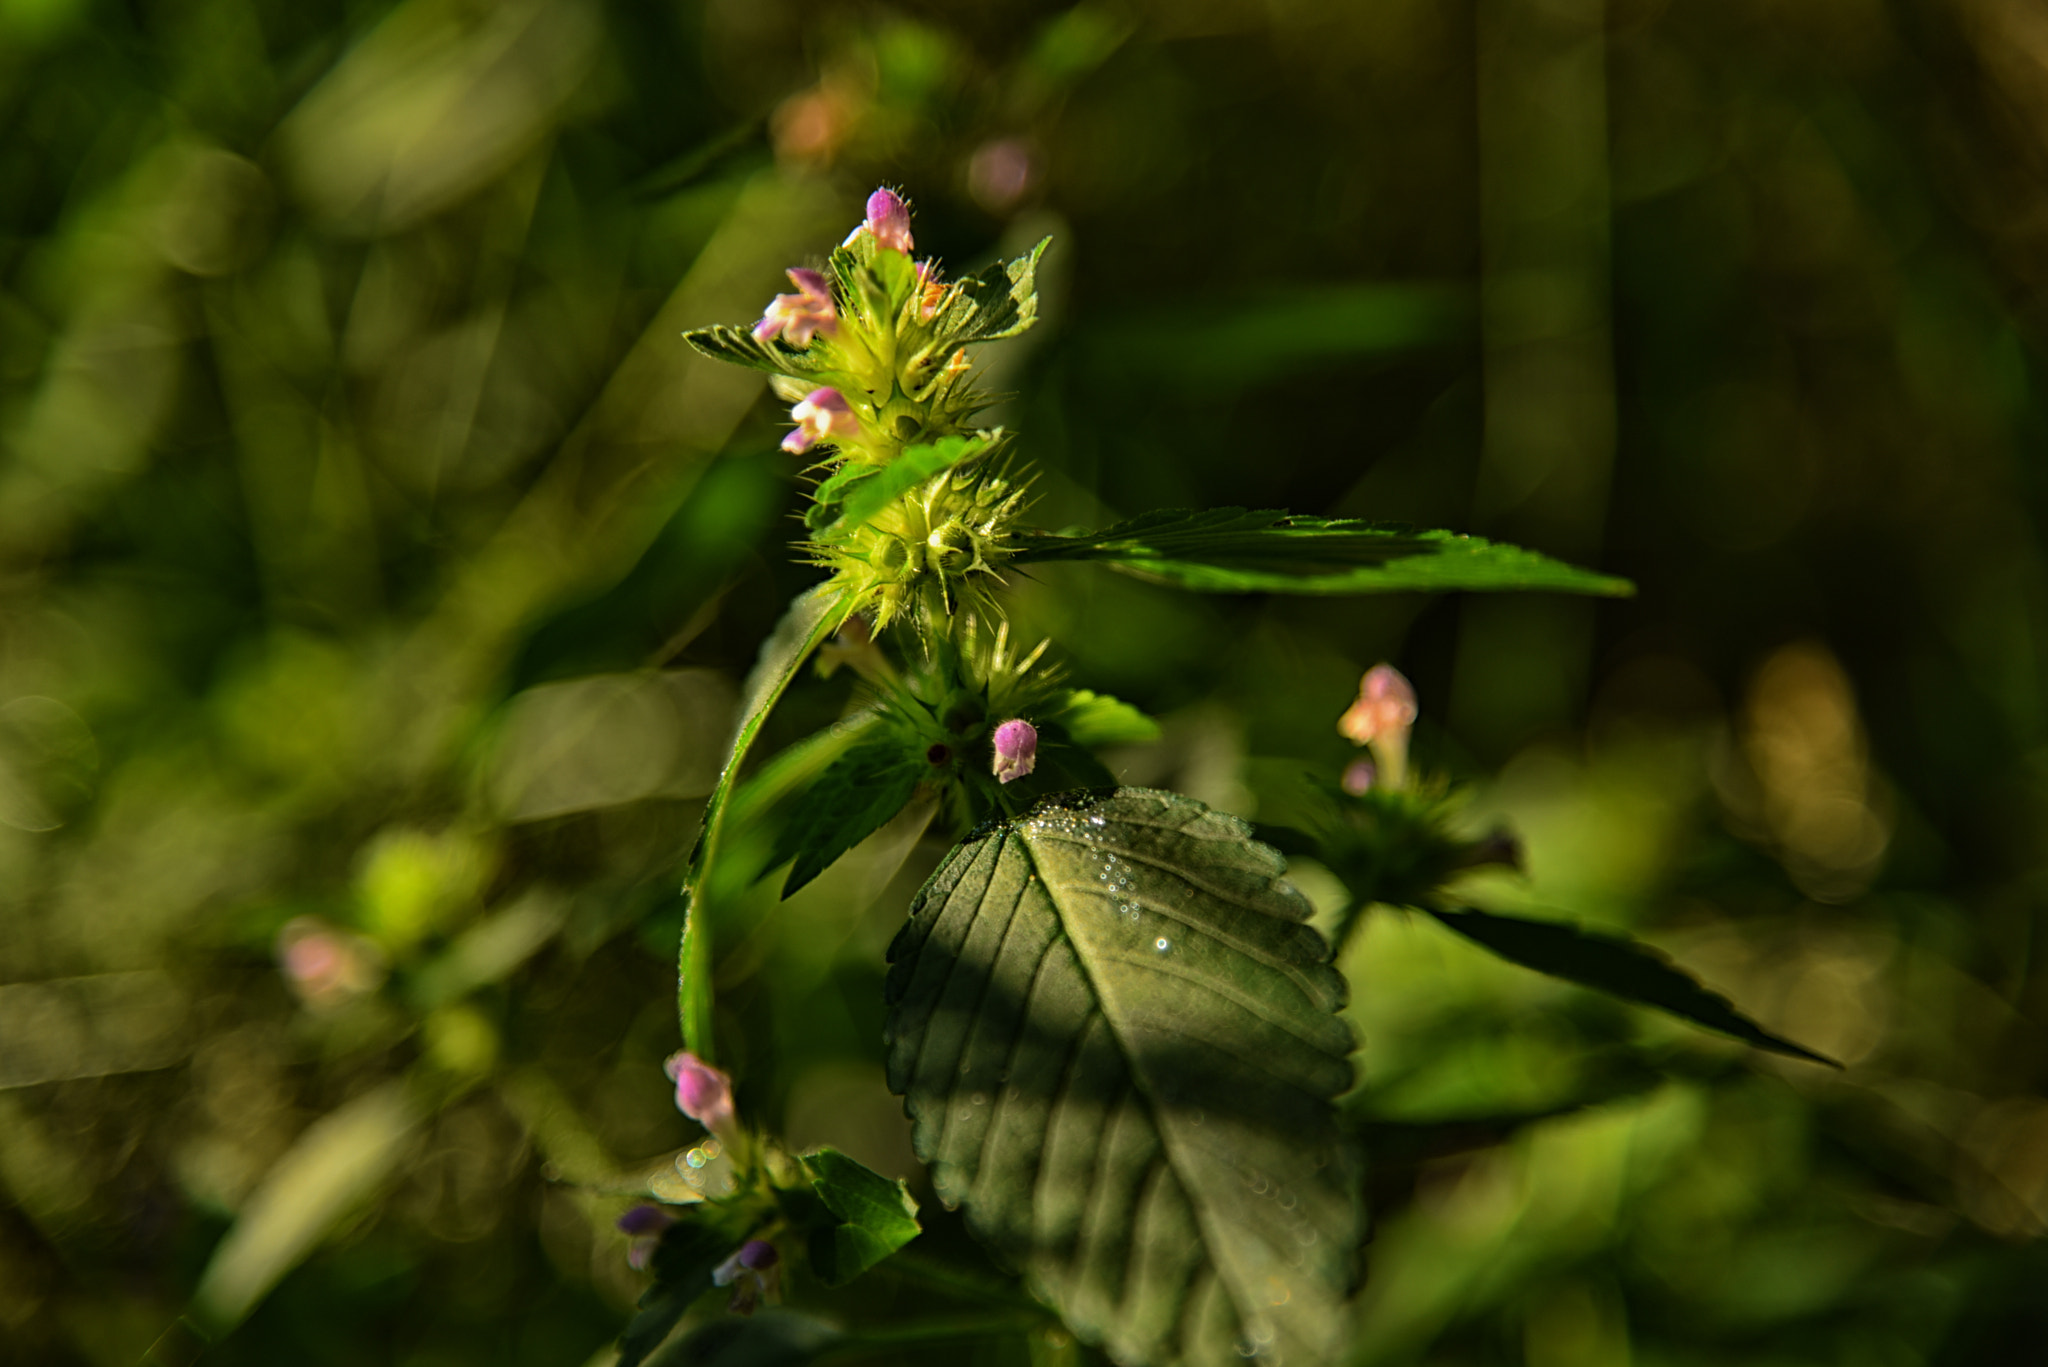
849 802
1119 1044
1617 966
1237 550
739 346
1093 719
809 620
1000 300
876 1216
862 500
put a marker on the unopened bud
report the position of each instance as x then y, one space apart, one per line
1016 749
703 1093
889 220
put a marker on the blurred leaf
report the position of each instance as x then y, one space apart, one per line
772 1338
1118 1044
739 346
809 620
1212 344
683 1263
1619 967
339 1161
1237 550
1092 719
867 497
998 301
876 1216
850 801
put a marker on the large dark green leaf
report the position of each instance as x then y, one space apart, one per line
1119 1045
1617 966
1236 550
809 620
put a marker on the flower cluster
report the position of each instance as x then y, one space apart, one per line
914 504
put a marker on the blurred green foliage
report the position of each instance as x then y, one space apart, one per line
377 566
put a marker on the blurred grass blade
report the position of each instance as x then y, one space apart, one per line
1118 1044
1617 966
773 1338
336 1164
1239 550
809 620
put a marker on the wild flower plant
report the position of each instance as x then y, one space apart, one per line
1115 1031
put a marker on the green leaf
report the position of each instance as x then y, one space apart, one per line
772 1338
850 801
864 499
998 301
1119 1043
1092 719
809 620
683 1263
826 498
1617 966
876 1216
1236 550
739 346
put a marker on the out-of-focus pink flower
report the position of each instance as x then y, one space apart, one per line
823 415
754 1273
1381 718
1016 749
645 1224
889 220
703 1093
1000 173
801 315
327 966
1358 777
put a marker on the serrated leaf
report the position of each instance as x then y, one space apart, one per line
739 346
863 500
1617 966
772 1338
1091 719
825 499
811 617
998 301
1237 550
876 1216
1119 1043
855 797
683 1263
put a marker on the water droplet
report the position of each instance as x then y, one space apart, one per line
696 1158
1098 820
1162 944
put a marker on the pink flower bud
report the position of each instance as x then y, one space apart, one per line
703 1093
1016 749
824 415
752 1272
645 1224
1381 718
889 220
797 317
1358 777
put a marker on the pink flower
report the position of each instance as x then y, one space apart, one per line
889 220
1016 749
703 1093
824 415
645 1224
798 316
1381 718
753 1272
327 966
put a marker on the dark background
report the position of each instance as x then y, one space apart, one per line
376 564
